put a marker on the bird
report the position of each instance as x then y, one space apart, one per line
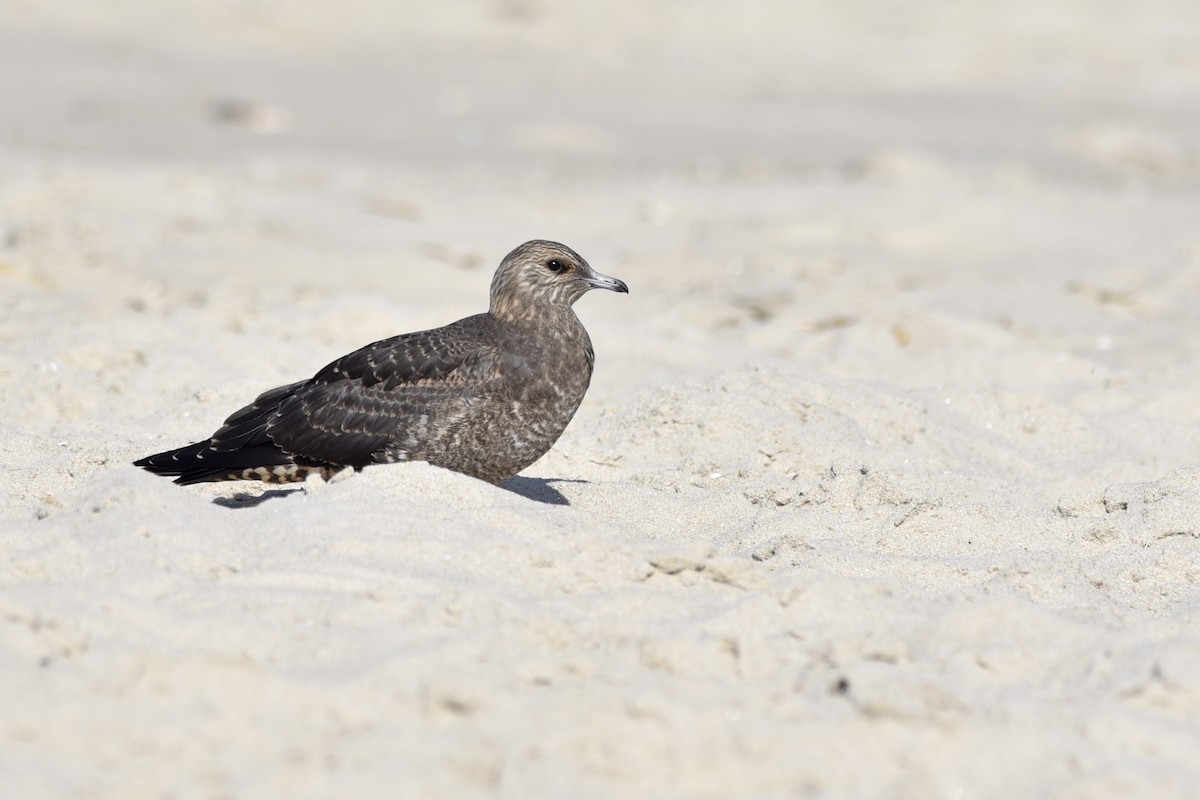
486 396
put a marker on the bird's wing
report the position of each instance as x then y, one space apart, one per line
247 427
353 408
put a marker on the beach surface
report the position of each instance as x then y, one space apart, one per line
888 480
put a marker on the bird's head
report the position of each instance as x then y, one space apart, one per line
540 274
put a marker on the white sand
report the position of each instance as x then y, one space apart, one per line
886 485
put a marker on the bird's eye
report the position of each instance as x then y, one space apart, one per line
555 266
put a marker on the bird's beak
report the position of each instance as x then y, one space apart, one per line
599 281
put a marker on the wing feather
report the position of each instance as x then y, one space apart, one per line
247 427
351 410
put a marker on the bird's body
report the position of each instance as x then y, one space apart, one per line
487 395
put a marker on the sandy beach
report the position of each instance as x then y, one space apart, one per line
887 483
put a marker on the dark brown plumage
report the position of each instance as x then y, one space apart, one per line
487 395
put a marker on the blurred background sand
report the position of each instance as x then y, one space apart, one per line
886 484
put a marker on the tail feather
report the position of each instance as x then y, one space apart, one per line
240 450
197 463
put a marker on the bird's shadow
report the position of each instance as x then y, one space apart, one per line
247 500
537 489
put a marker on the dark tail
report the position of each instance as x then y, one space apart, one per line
240 450
199 462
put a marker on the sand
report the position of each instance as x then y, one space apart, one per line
888 482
